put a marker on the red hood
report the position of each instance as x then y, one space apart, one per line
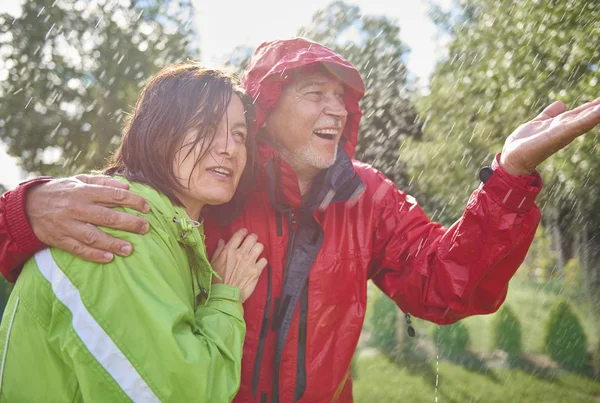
269 68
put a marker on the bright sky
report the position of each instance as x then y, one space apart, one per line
223 26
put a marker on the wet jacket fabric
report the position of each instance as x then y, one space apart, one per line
144 328
305 316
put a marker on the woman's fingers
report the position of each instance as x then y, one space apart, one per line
236 239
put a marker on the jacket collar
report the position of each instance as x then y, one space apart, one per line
339 183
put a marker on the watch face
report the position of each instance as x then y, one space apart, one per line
485 173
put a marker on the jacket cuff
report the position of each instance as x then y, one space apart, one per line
516 193
17 224
226 299
224 291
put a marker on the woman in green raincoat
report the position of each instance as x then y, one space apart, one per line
76 331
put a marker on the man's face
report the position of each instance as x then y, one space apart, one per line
307 122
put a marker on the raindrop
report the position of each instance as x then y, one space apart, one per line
49 31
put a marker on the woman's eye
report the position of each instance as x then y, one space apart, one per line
240 135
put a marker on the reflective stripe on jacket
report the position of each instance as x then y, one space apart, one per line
144 328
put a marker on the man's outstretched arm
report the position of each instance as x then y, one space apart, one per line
444 274
64 213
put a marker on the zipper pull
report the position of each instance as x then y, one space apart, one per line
410 329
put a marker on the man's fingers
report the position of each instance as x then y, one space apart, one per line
87 252
551 111
115 197
102 180
91 236
583 123
583 107
107 217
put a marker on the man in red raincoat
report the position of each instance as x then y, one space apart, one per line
328 223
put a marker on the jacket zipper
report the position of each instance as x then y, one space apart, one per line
302 335
264 328
12 318
281 306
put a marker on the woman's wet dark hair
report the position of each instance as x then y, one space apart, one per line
178 99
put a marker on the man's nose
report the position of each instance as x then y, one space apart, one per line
336 107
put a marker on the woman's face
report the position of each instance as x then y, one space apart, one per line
214 180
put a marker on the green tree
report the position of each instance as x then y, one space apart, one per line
72 70
372 44
506 61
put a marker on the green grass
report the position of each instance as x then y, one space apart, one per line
379 380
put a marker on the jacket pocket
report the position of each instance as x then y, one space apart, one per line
11 319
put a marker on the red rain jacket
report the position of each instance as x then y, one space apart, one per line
306 314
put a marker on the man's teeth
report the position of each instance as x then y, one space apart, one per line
326 133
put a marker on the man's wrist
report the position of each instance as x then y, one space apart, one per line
18 224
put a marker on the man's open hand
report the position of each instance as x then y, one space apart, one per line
552 130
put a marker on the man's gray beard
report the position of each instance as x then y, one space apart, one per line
307 155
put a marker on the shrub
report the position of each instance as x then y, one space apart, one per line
565 339
573 276
596 361
506 332
451 339
383 325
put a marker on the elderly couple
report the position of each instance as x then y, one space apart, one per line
136 311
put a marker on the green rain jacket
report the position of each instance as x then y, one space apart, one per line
144 328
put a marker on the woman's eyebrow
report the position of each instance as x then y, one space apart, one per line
238 125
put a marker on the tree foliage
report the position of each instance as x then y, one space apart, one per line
506 61
372 44
73 70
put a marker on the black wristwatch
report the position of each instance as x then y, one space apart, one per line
485 173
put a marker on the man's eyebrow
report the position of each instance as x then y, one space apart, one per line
310 83
316 83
